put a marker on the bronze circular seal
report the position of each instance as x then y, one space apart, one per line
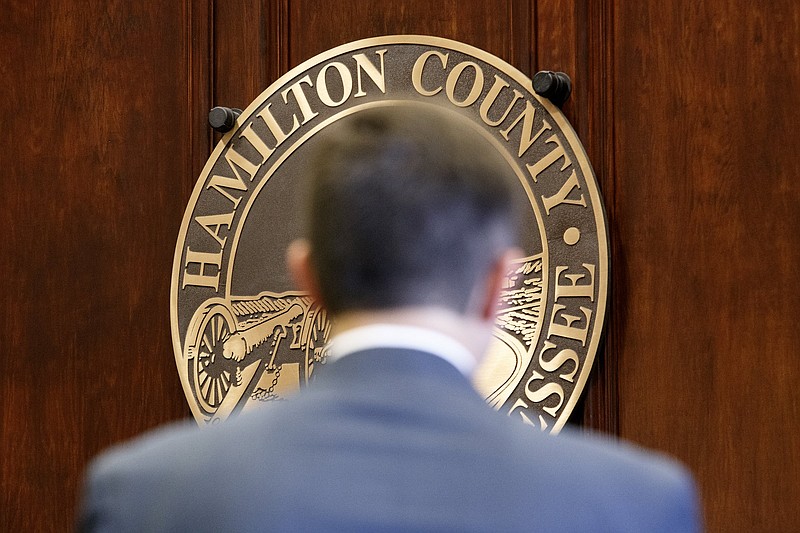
241 332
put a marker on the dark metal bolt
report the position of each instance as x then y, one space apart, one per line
555 86
223 119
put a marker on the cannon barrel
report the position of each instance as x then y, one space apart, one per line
242 343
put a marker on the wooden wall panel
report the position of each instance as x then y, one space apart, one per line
688 112
198 24
576 37
707 211
94 183
487 25
250 49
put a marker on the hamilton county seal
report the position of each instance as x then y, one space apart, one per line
244 335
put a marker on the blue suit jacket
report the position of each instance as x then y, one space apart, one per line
384 440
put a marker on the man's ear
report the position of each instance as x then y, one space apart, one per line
496 282
298 261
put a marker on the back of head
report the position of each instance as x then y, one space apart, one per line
409 207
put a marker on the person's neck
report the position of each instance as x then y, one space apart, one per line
471 332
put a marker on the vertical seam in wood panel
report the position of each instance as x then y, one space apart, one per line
198 37
196 56
521 46
277 41
286 42
580 90
601 34
533 63
188 26
288 30
607 128
211 62
511 54
601 401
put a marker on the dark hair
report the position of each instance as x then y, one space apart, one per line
408 207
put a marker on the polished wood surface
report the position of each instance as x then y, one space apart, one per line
481 24
95 162
575 38
707 212
688 112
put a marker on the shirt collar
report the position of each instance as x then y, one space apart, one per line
404 337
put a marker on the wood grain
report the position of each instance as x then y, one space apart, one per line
482 24
94 109
707 211
198 24
575 37
688 112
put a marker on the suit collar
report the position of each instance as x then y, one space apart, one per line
397 336
386 367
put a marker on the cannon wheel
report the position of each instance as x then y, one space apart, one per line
316 330
210 373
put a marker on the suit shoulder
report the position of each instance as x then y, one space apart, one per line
615 485
157 445
142 482
656 489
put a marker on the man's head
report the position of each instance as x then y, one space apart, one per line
408 208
